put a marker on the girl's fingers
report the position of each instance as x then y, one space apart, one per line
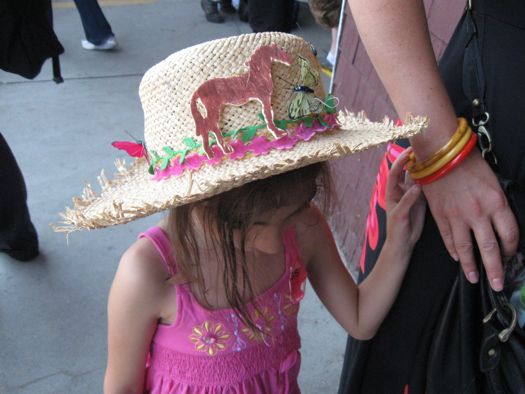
397 169
418 216
408 181
408 200
396 175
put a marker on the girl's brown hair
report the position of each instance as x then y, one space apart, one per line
236 210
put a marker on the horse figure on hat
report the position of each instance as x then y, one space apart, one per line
255 84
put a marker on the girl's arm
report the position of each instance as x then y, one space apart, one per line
469 200
360 310
133 312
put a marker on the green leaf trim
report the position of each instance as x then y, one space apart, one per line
329 104
190 142
164 163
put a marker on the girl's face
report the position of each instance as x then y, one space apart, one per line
265 235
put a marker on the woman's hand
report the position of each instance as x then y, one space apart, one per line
469 204
405 205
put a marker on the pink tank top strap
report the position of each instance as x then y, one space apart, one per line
291 248
295 265
162 243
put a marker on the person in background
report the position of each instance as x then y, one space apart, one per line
99 35
326 14
28 40
470 213
211 9
267 15
18 237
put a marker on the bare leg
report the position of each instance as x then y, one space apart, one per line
226 148
206 145
268 116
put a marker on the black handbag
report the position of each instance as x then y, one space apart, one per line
502 352
478 347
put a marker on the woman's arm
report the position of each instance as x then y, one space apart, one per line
133 312
469 199
360 310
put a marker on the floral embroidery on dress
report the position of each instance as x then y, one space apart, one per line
263 320
209 337
290 307
239 343
278 299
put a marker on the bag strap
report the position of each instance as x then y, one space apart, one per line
474 86
500 321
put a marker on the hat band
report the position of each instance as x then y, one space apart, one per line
252 139
257 145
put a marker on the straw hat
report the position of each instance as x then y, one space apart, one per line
224 113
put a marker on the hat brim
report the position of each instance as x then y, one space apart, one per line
134 194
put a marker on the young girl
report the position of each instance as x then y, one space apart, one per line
207 300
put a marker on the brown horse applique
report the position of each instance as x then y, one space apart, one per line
256 84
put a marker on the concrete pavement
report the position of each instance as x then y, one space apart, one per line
53 309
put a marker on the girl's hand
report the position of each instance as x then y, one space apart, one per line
405 205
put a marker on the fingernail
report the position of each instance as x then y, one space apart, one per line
473 277
497 284
455 257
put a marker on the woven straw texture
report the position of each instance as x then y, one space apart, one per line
165 93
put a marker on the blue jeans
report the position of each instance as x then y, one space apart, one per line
96 26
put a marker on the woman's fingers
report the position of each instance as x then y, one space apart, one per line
506 228
464 247
445 229
490 253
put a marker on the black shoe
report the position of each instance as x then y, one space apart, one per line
22 254
211 11
25 248
227 7
24 251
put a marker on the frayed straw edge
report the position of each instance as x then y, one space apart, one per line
73 219
412 125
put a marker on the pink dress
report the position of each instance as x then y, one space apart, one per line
212 351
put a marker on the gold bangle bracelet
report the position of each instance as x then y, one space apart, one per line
414 166
450 155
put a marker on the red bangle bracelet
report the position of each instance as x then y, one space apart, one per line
451 164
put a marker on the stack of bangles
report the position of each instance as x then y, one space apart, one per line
445 159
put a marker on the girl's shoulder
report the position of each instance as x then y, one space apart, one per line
143 257
141 267
141 283
312 232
